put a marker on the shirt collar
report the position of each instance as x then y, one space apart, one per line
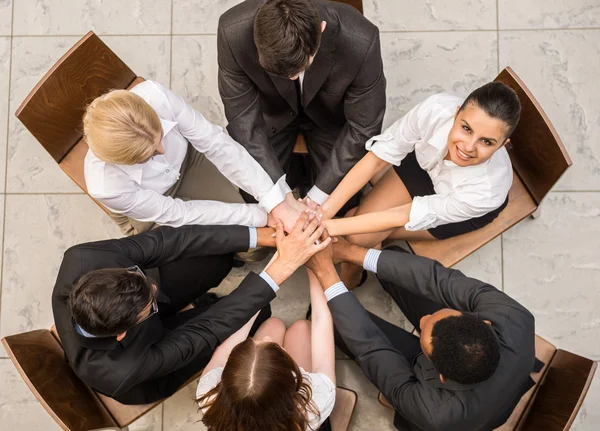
439 139
135 171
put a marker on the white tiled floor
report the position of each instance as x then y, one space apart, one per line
550 264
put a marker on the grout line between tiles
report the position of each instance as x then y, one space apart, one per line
12 23
498 34
171 49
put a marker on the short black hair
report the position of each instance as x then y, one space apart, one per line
464 349
107 302
498 101
286 34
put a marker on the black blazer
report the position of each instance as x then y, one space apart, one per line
145 366
419 397
344 88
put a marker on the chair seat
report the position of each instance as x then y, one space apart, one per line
300 145
544 351
345 402
452 250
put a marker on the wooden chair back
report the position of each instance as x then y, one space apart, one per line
52 112
560 393
537 152
357 4
40 361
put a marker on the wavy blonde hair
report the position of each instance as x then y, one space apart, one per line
121 127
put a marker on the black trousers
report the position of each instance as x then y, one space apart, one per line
302 171
413 306
182 282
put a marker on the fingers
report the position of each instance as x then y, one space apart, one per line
323 245
299 226
316 235
279 234
312 226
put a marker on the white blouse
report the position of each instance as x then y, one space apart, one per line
323 393
462 193
137 190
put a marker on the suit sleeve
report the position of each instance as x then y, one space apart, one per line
241 101
383 365
364 107
166 244
202 334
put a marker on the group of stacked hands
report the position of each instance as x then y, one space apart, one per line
165 174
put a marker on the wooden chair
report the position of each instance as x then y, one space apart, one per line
53 110
539 159
40 360
560 388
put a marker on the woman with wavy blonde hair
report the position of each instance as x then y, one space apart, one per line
154 160
280 380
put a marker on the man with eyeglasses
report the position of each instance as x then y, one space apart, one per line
116 303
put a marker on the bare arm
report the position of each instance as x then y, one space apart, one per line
368 223
358 176
322 343
219 358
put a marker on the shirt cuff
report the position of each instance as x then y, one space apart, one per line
253 238
275 196
420 217
371 259
336 290
317 195
269 281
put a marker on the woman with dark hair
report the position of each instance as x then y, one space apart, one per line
280 380
451 172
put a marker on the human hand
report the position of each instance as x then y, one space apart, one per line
340 247
311 204
322 260
287 212
265 236
296 248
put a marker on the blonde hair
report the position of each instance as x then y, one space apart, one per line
120 127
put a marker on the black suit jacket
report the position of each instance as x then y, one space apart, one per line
344 88
415 390
144 366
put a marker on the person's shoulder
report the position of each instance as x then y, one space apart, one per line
351 23
240 13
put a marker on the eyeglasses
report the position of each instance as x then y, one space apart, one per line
136 269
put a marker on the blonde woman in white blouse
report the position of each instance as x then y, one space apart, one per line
451 172
154 160
279 379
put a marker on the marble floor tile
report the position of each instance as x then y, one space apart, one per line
38 230
5 17
407 15
4 111
195 75
369 414
561 70
181 412
19 410
485 264
515 14
151 421
199 16
551 266
30 167
418 65
68 17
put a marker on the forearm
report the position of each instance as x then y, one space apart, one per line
368 223
358 176
322 340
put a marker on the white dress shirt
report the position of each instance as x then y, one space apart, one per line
137 190
322 388
462 193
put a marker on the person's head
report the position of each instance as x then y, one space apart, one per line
108 302
287 34
483 124
462 347
121 127
261 388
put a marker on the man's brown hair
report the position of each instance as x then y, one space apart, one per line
287 33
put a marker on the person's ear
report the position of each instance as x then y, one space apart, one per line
442 379
506 142
121 336
323 25
488 322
